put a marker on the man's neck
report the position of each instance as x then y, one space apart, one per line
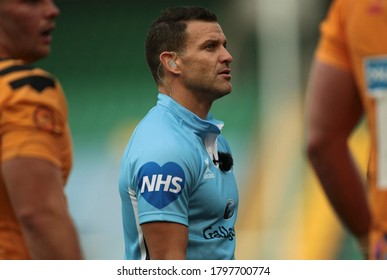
190 102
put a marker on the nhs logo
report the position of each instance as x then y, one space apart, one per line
376 75
161 185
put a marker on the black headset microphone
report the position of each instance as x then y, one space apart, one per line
225 161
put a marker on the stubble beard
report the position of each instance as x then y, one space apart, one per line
210 90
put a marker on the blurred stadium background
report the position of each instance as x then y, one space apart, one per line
98 56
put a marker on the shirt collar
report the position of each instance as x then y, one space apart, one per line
200 126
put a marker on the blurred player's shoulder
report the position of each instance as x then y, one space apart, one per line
15 74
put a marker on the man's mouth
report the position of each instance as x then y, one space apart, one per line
48 31
226 73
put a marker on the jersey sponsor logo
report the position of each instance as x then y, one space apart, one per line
161 185
219 232
230 209
375 69
376 75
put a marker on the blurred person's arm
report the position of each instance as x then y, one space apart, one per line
333 110
36 191
166 240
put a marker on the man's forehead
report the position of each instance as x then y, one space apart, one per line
203 30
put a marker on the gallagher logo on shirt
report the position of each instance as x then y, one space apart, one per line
161 185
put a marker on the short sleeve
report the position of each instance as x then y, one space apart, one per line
34 117
162 193
332 47
162 175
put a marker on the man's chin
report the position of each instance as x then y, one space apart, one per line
228 89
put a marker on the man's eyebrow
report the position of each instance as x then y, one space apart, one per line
214 40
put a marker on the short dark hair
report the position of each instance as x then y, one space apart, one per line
167 33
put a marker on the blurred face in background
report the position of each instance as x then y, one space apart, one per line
26 27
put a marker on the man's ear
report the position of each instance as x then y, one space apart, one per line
168 59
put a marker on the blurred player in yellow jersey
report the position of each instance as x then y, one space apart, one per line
349 80
35 144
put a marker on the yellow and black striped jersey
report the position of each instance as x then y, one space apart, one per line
33 123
